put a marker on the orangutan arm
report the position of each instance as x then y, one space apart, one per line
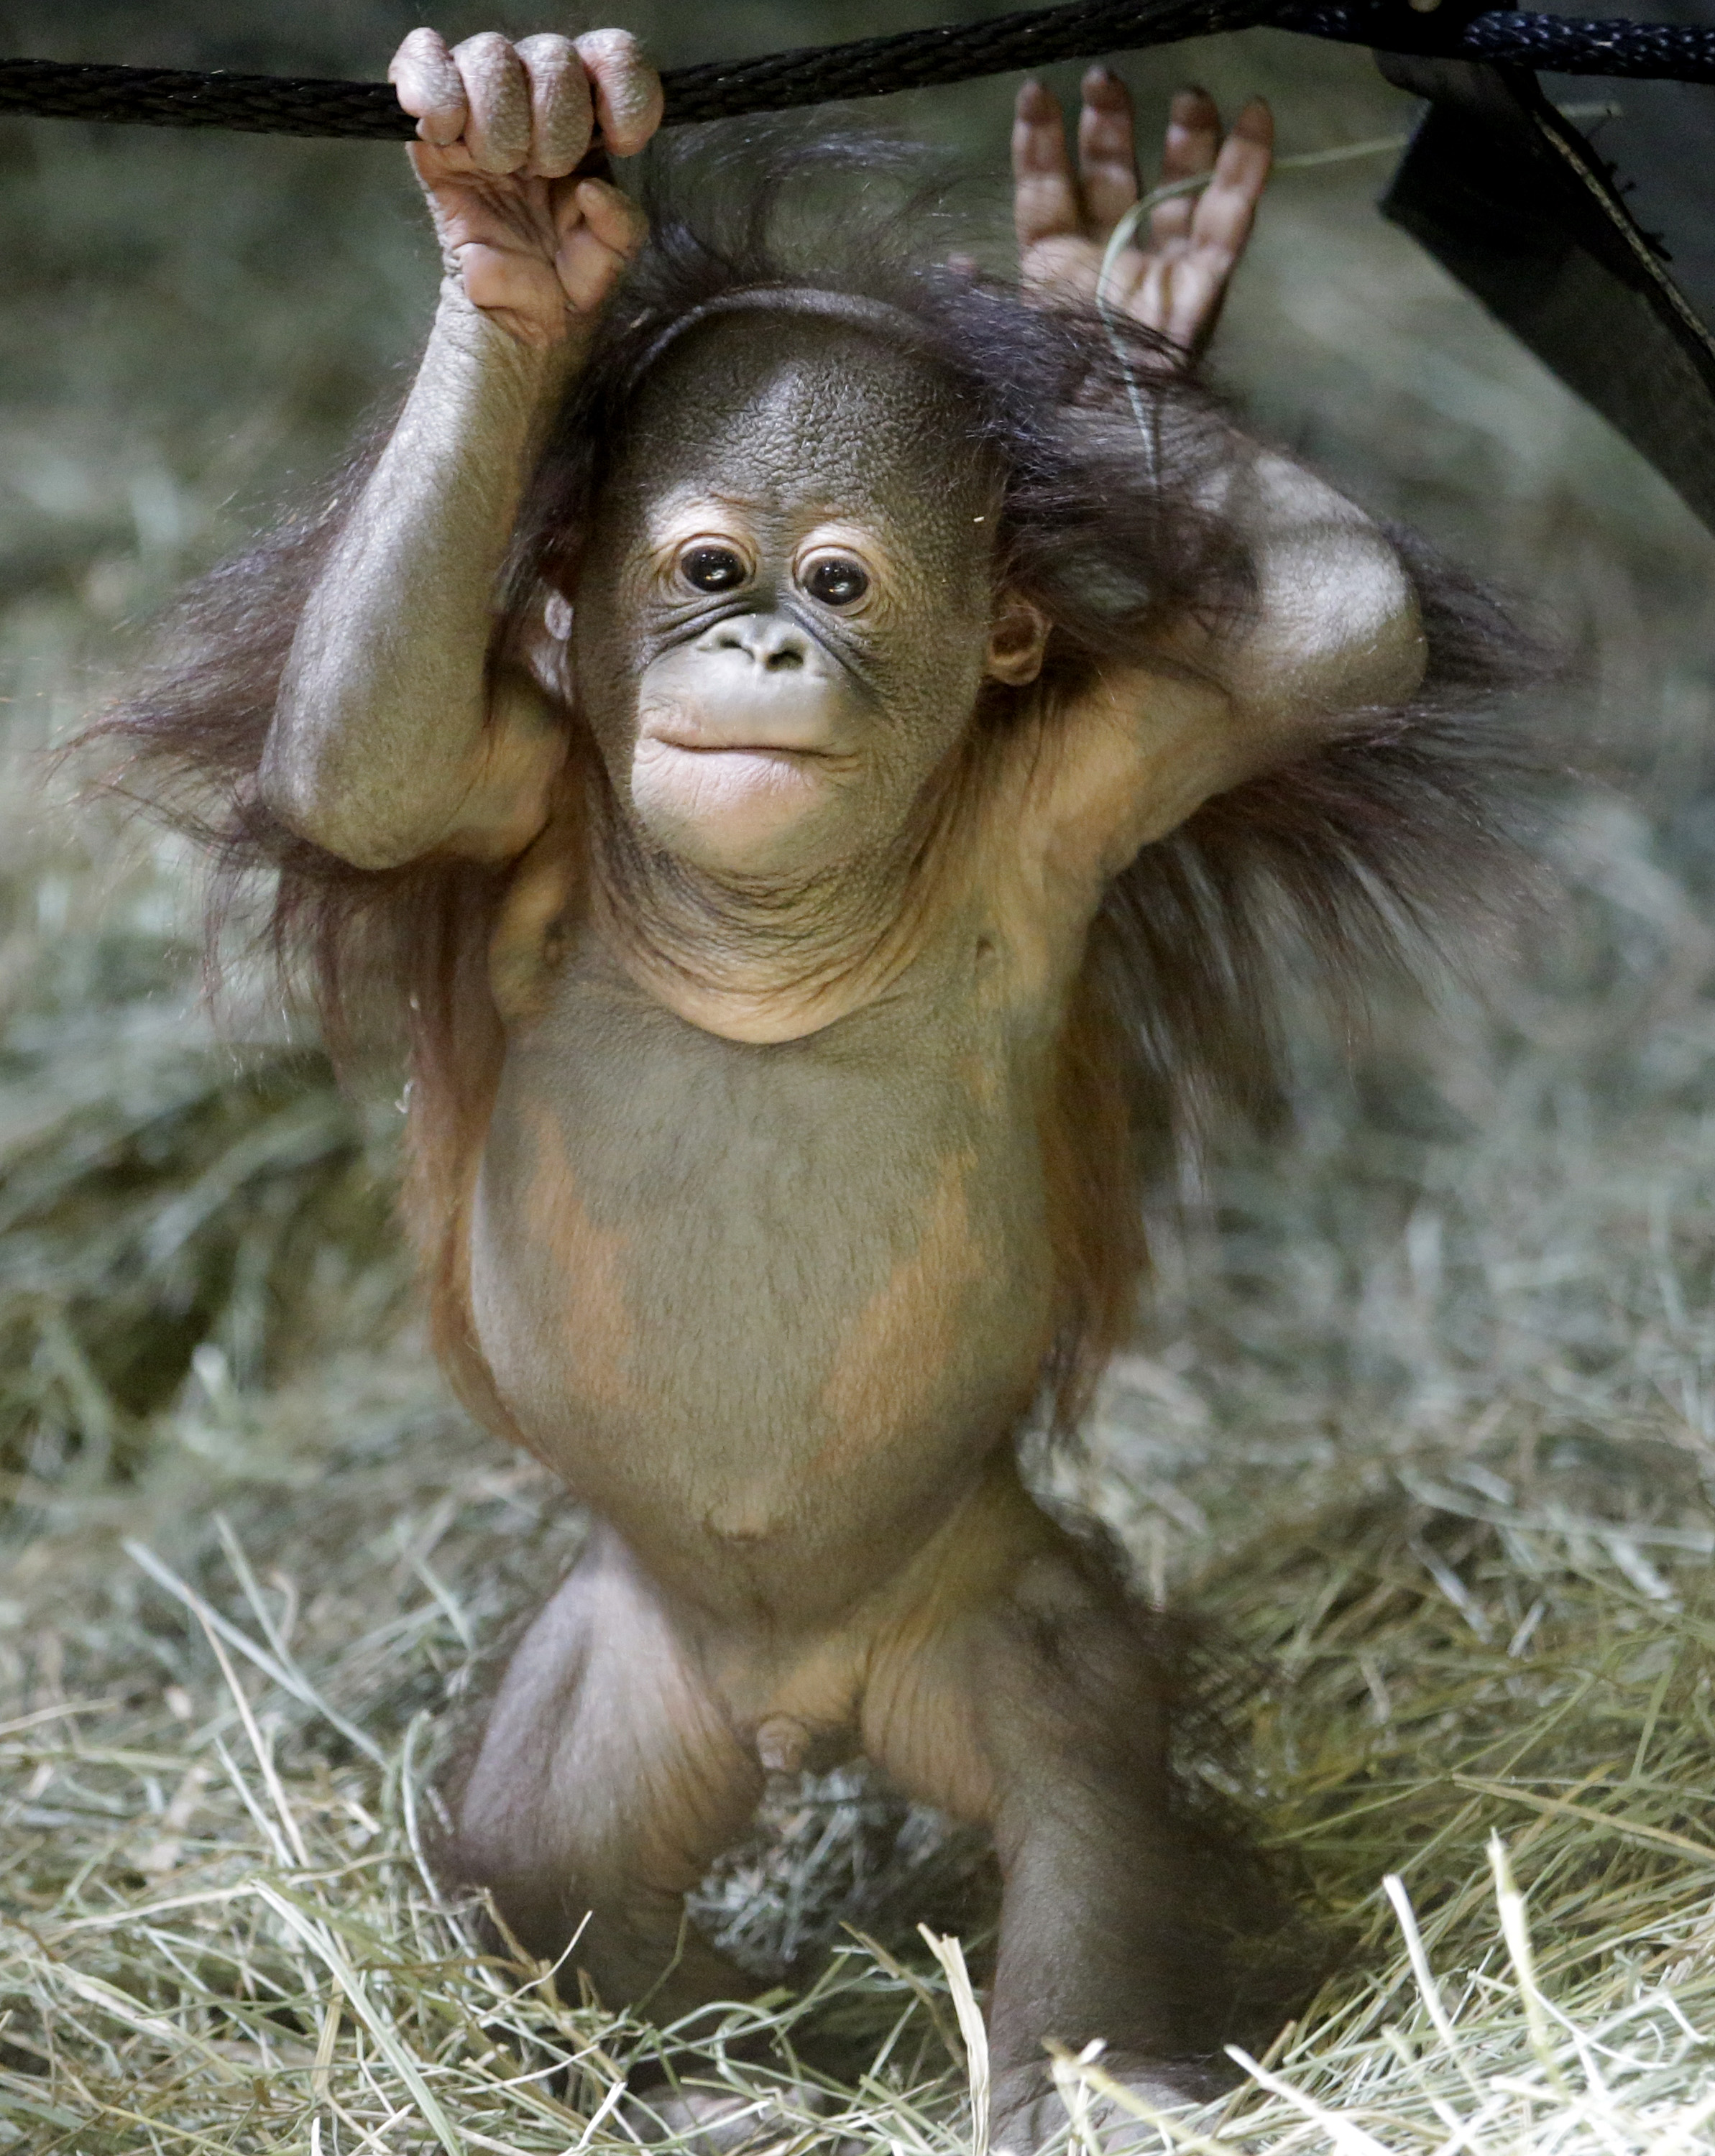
1333 630
394 737
389 741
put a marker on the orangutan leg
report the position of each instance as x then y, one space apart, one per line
1039 1706
607 1781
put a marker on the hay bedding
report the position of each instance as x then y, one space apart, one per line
1423 1419
1423 1424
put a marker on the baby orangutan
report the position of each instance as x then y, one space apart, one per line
810 749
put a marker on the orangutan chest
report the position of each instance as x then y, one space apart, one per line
686 1244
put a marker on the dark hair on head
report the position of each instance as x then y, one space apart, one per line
1106 455
1107 532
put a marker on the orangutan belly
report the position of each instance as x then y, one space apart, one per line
766 1307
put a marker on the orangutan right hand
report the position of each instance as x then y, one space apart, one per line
503 127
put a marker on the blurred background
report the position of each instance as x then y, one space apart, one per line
1485 1241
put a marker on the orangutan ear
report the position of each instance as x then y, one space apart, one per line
1017 641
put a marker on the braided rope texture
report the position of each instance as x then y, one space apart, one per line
872 67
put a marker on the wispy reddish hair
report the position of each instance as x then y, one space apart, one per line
1365 849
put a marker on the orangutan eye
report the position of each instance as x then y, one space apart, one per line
836 582
713 568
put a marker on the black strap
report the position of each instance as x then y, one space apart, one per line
1507 195
871 67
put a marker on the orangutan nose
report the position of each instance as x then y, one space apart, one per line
775 645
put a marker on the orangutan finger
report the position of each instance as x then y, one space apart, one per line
1107 151
430 87
607 228
613 218
1188 150
561 119
497 133
1221 222
1227 208
1046 204
628 90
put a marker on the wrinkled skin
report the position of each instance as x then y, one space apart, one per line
757 1256
755 729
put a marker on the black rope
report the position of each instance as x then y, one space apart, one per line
871 67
